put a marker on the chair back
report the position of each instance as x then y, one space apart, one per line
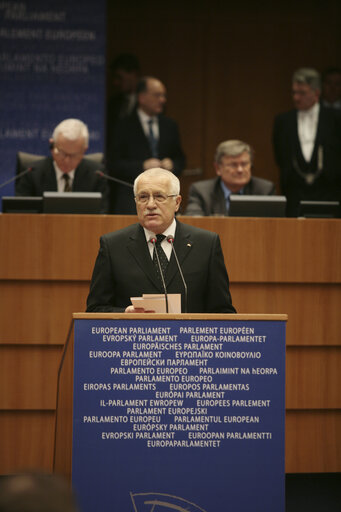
95 157
26 160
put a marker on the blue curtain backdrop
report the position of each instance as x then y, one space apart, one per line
52 66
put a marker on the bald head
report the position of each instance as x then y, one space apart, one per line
151 96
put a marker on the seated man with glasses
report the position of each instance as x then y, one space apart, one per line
66 169
125 264
233 164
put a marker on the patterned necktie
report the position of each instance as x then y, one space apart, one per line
152 140
67 186
162 256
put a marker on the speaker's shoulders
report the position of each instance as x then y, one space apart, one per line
130 231
193 231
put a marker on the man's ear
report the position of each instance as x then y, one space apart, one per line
217 169
51 144
178 201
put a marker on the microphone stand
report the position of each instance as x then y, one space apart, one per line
170 239
111 178
16 177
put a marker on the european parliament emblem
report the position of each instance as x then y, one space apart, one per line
157 502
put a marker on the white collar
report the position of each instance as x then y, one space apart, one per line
144 118
169 231
61 173
311 112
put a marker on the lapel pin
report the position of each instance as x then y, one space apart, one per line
189 245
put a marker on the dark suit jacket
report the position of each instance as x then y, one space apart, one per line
130 148
207 197
124 269
116 110
287 149
42 178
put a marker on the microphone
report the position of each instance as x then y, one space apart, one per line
16 177
111 178
152 240
170 239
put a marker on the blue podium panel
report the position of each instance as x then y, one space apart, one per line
183 415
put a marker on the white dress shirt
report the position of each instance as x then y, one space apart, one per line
166 246
60 179
307 121
144 119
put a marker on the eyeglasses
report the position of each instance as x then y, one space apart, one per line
235 166
158 198
63 155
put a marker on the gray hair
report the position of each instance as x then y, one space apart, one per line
72 129
308 76
159 172
232 148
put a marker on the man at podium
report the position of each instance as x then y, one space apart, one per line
160 255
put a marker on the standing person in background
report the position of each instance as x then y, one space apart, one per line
307 145
331 88
125 74
233 163
144 140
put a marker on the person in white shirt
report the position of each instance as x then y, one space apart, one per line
125 266
307 145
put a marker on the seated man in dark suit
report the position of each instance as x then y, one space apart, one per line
233 162
143 140
66 169
124 267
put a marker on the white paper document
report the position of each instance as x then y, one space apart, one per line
157 303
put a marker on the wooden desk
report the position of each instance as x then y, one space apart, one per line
287 266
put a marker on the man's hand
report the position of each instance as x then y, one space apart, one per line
151 163
131 309
167 163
